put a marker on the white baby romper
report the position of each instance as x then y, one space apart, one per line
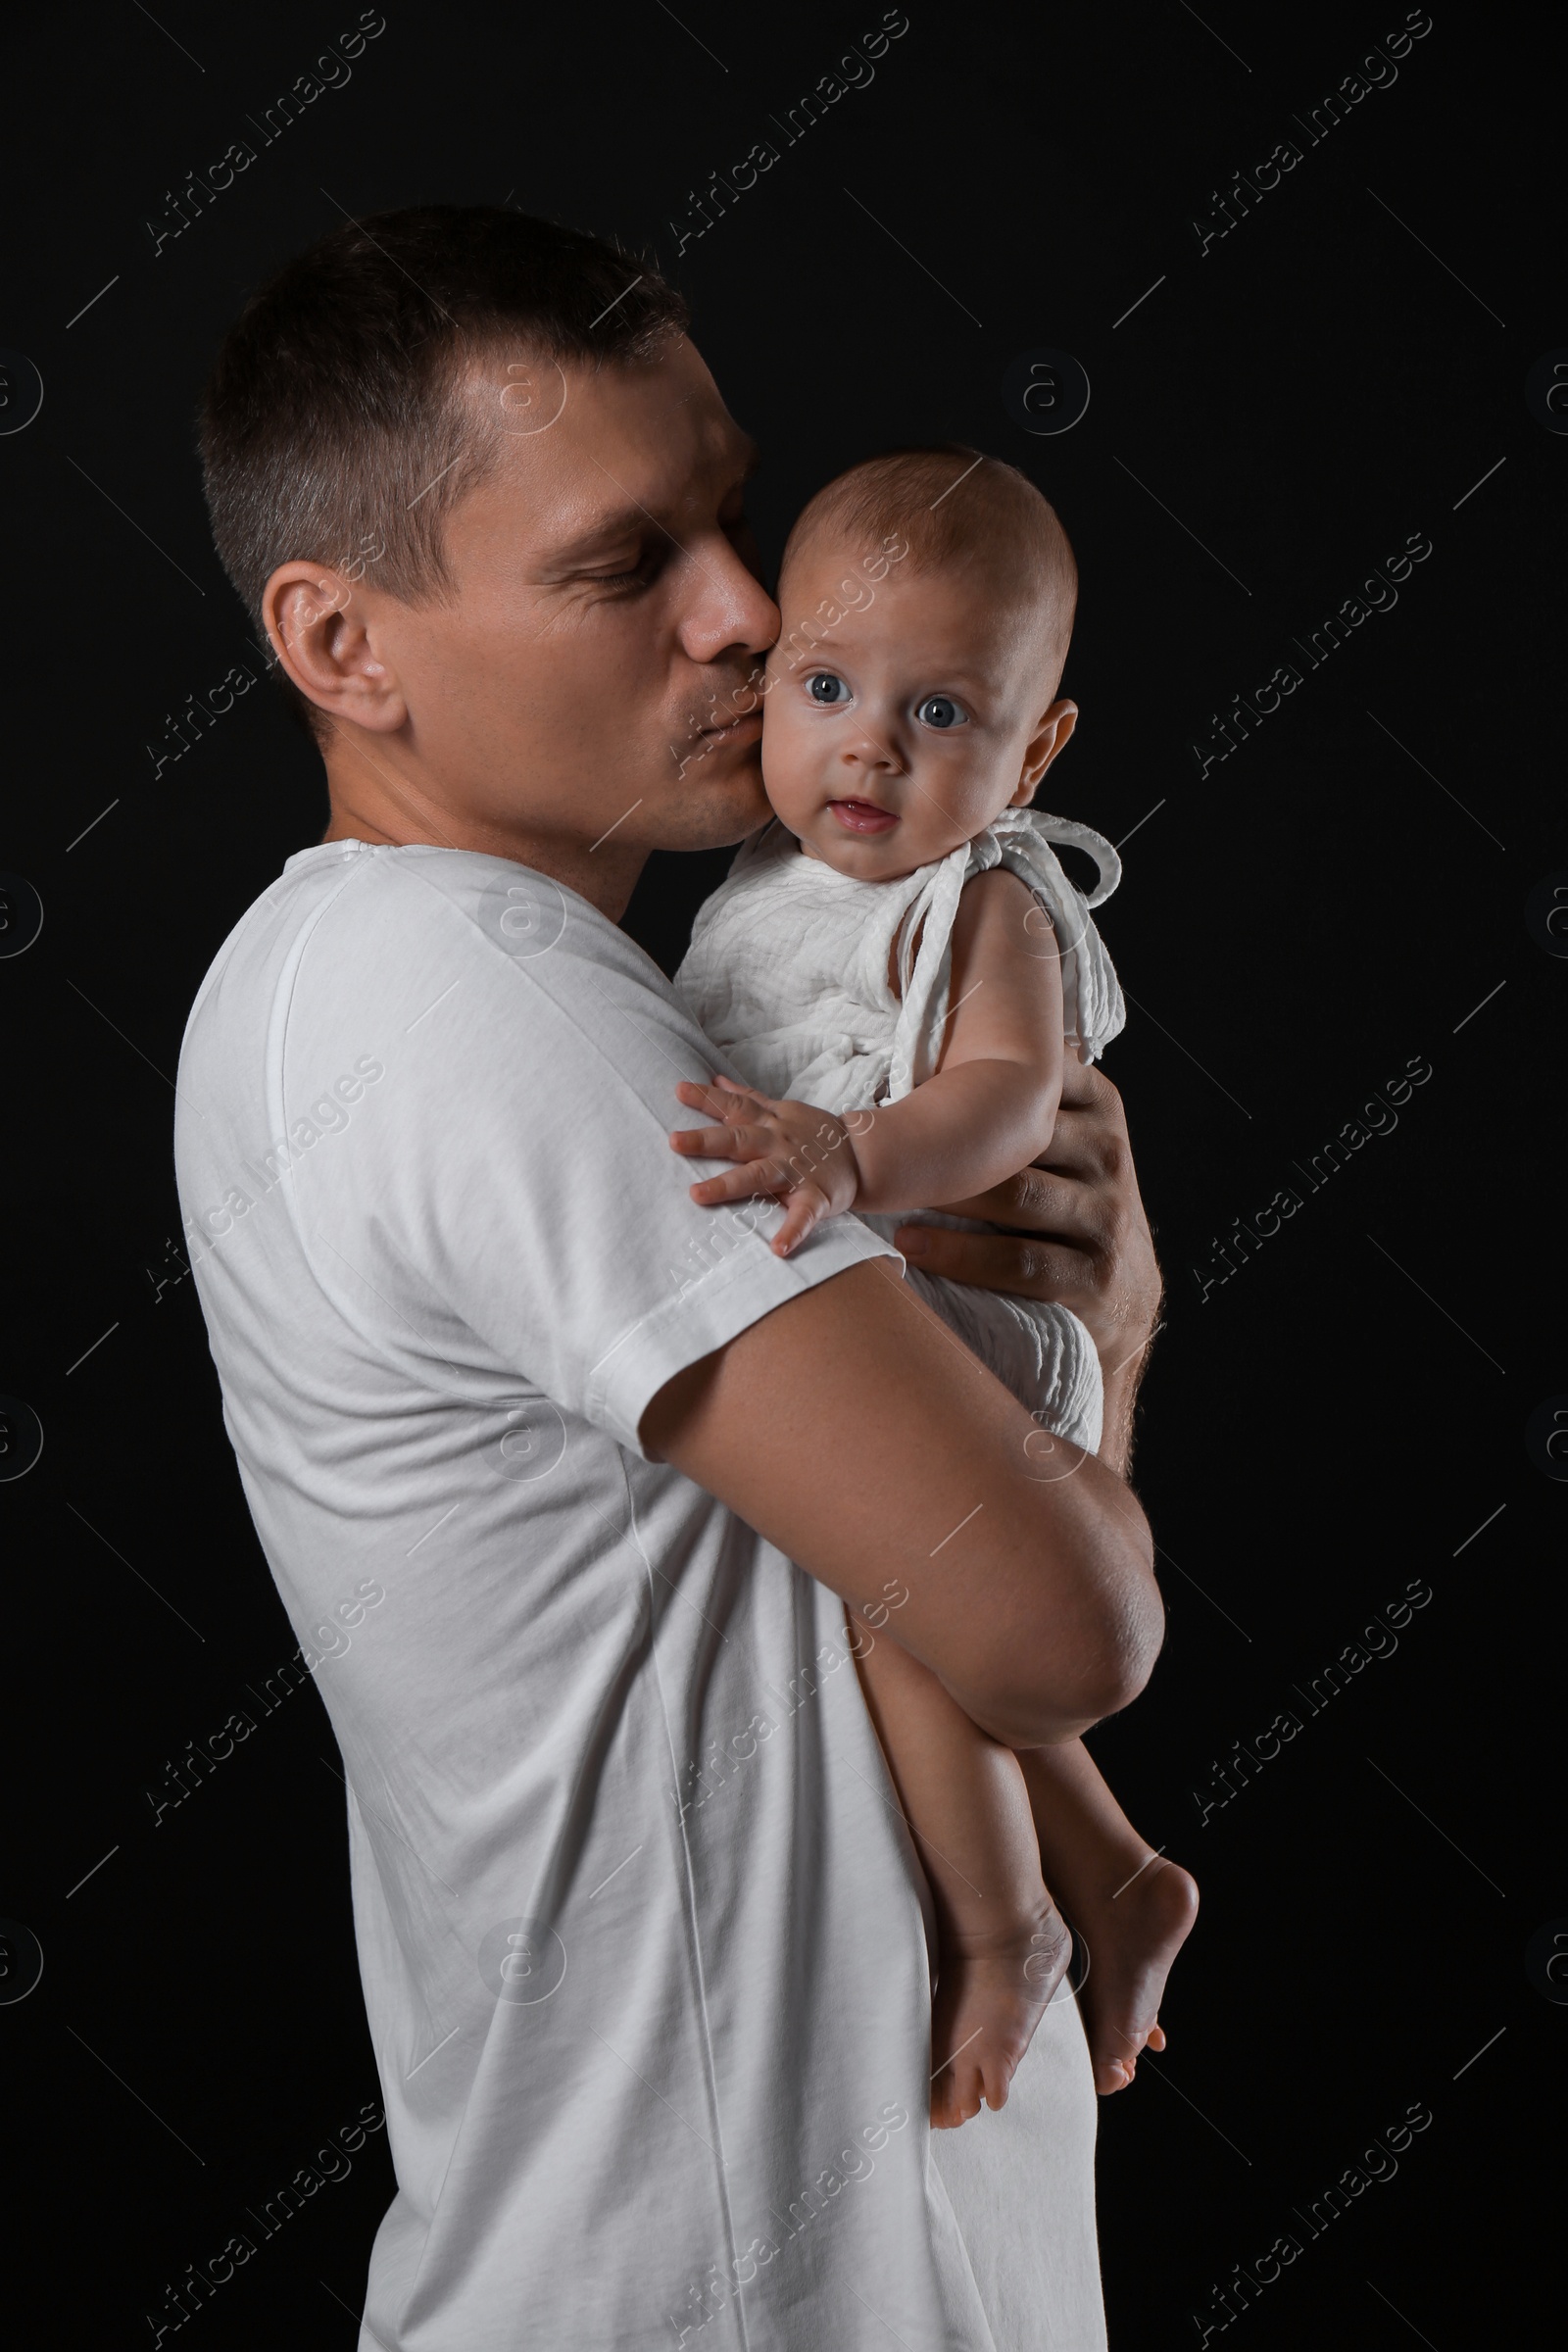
788 973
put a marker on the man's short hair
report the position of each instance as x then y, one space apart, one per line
958 510
334 427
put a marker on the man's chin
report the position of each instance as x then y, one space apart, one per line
708 812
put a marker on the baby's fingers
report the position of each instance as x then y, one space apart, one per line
806 1209
721 1099
742 1184
721 1143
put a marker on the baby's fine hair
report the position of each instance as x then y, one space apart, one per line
958 510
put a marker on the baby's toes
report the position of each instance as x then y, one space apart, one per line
968 2092
995 2077
968 2089
948 2110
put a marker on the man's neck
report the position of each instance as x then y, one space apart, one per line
368 803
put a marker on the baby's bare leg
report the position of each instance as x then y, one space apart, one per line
1002 1944
1132 1908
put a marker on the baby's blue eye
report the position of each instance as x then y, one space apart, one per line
824 688
940 710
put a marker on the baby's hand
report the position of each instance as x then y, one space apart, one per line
786 1149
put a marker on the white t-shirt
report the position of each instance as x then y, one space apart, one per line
641 1935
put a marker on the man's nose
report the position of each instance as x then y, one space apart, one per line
730 608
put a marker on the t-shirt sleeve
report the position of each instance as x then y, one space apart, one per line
506 1178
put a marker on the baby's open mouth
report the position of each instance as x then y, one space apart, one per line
863 816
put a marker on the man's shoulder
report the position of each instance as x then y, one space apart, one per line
351 919
470 974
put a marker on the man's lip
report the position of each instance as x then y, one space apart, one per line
734 730
863 816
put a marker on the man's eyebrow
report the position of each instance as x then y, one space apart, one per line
621 522
617 522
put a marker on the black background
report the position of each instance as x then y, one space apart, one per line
1337 898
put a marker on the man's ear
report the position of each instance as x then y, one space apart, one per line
1051 736
323 636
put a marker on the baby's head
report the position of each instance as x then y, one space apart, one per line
928 601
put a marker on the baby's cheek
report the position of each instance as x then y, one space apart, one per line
786 776
982 790
948 806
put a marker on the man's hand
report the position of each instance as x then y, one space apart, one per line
785 1151
1077 1235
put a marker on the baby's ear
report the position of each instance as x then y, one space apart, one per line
1051 736
1025 792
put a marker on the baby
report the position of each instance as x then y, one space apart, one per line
896 965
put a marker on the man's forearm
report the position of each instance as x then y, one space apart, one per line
1122 1379
852 1430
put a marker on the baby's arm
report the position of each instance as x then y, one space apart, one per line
1002 1945
991 1107
989 1110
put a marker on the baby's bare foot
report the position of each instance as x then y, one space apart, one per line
990 1994
1132 1940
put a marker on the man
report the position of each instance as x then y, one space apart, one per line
640 1931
